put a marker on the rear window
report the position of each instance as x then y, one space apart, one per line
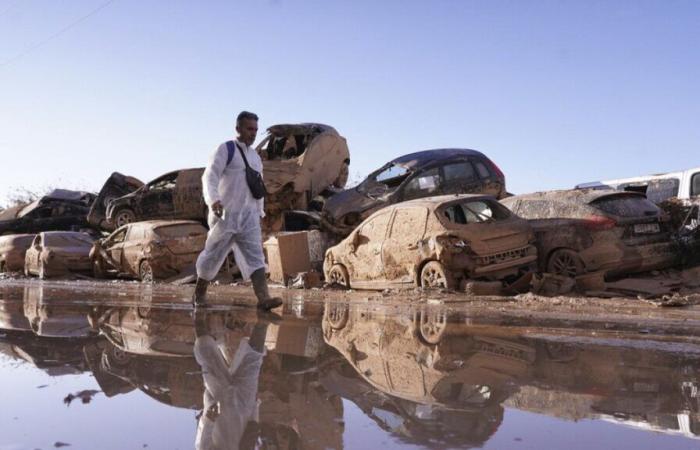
482 169
475 211
22 240
68 240
179 231
626 206
695 185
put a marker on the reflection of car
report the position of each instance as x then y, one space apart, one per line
58 252
117 185
586 230
57 210
175 195
423 174
12 250
300 161
433 242
149 250
53 318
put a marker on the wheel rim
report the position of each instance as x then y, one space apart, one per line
433 277
565 264
432 326
337 315
123 218
337 276
146 272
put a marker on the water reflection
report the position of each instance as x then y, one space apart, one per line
424 375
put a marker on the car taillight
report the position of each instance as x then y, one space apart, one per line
499 172
599 223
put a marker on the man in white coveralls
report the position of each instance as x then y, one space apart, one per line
234 215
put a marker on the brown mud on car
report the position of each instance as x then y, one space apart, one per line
587 230
433 242
56 253
12 251
148 250
117 185
417 175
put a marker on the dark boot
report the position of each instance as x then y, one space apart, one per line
199 298
262 293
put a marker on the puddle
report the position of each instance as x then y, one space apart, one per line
100 370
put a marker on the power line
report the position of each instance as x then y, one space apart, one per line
39 44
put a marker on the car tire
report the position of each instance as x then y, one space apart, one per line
431 326
97 270
338 274
124 216
146 272
565 262
434 275
337 315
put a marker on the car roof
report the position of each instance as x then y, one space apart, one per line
581 195
422 158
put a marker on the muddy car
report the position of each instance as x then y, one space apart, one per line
148 250
117 185
433 242
417 175
12 251
300 161
55 253
59 210
587 230
175 195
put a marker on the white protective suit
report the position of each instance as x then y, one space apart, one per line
231 387
239 227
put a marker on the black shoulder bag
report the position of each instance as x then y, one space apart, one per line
252 176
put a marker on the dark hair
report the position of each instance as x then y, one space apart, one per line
245 115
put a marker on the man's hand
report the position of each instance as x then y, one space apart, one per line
217 208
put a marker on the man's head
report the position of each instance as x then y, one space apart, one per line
247 127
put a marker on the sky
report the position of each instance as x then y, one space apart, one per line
554 92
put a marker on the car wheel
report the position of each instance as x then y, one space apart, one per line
432 325
337 315
124 216
565 262
116 357
97 270
146 272
434 275
338 274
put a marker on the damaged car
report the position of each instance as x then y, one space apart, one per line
56 253
423 174
13 248
59 210
300 162
434 242
117 185
589 230
148 250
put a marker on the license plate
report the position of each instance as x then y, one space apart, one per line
647 228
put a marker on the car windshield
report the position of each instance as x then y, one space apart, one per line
179 231
626 206
67 240
386 179
475 211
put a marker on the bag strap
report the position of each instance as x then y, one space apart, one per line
231 150
245 160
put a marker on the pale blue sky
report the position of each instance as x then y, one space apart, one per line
555 92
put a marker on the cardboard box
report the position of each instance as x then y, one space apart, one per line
287 255
300 339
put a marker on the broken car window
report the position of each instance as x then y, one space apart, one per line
475 212
165 182
626 206
118 237
425 183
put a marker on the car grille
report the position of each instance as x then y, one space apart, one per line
498 258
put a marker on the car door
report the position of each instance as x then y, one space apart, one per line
132 248
425 183
400 250
115 248
366 265
32 256
157 199
459 178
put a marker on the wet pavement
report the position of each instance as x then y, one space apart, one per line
121 366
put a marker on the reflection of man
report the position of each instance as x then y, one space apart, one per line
234 218
230 416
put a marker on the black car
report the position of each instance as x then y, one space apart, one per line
59 210
422 174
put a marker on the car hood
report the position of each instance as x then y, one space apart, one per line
347 201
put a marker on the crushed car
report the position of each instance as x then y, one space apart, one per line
57 253
59 210
300 162
13 247
423 174
117 185
148 250
589 230
434 242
